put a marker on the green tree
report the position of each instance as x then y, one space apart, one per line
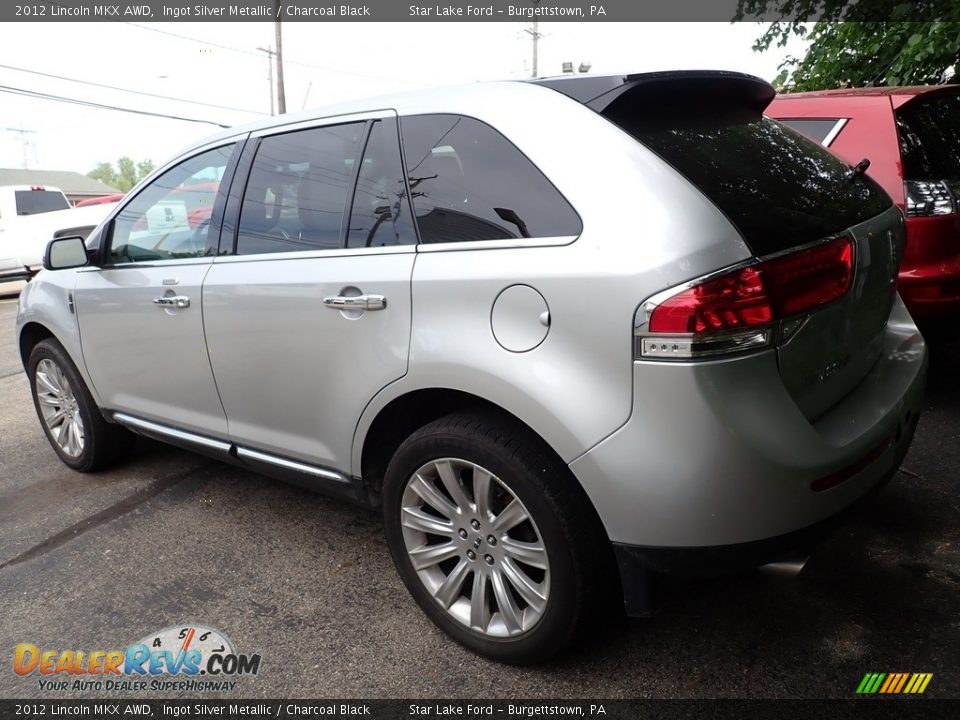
872 42
124 176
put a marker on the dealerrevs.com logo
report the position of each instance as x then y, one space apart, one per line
185 658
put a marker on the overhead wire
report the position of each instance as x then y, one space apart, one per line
128 90
102 106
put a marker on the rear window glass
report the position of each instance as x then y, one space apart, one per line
31 202
930 137
816 130
468 182
777 187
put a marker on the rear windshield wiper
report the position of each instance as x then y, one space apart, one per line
857 170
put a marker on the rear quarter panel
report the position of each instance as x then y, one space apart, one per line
645 228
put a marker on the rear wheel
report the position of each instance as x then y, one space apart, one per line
70 418
490 537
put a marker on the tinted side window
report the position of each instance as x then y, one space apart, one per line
816 130
468 182
381 211
170 217
297 191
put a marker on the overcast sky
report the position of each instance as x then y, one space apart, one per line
219 64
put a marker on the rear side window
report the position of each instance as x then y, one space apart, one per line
778 188
468 182
817 130
930 137
32 202
297 191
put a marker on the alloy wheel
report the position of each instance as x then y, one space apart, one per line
59 408
475 547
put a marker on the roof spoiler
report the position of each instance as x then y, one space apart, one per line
681 86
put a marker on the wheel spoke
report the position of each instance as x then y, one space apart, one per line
44 379
505 603
433 497
430 555
56 418
49 399
68 436
451 481
59 432
525 587
529 553
448 592
481 492
479 612
416 519
512 515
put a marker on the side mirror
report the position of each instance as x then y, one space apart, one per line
65 253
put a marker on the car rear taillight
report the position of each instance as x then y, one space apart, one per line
925 198
739 309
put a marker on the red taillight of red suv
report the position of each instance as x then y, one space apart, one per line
735 311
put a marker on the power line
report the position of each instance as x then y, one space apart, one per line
102 106
256 55
127 90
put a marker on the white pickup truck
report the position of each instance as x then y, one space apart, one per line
30 216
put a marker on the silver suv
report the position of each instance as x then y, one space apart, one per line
565 334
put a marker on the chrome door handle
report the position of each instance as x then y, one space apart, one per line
178 301
357 302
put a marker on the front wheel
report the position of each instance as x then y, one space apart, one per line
70 418
491 538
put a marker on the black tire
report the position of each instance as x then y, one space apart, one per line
577 548
104 443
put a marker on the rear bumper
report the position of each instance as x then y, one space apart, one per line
931 290
929 280
635 561
717 454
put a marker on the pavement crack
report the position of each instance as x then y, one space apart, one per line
910 473
10 375
118 509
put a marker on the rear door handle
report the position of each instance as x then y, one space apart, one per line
178 301
356 302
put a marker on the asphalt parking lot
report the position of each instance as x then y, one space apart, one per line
96 562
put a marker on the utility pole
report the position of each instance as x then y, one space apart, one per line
535 35
281 94
270 53
25 142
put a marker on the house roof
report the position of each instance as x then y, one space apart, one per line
72 183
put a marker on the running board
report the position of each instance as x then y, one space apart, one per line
309 476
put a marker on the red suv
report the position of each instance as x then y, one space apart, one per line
911 136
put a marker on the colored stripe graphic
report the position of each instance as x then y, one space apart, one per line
875 685
903 680
894 683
